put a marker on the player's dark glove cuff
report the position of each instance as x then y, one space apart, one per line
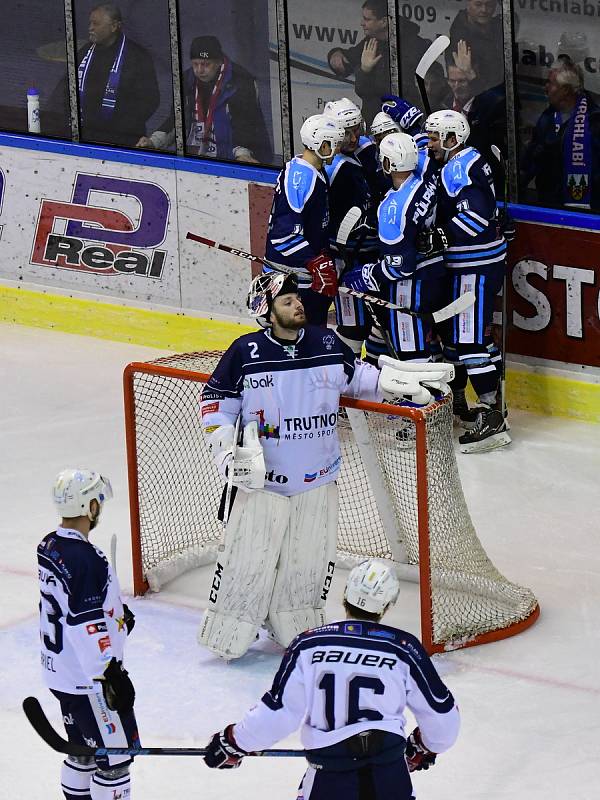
222 751
432 242
117 687
129 618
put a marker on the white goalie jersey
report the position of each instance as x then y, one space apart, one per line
347 677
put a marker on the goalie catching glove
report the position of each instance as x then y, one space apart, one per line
417 755
420 384
247 461
324 275
222 751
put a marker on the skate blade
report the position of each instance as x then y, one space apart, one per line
491 443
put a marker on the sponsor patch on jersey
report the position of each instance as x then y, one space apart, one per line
382 634
355 628
309 477
211 408
211 428
97 627
104 643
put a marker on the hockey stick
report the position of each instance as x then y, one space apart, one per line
433 52
347 225
39 721
497 153
464 301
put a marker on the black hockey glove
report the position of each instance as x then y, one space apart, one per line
117 687
417 755
432 242
128 618
222 751
506 226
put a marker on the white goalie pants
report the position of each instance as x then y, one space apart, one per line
276 567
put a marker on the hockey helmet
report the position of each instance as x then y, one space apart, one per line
446 122
398 153
317 130
343 112
265 288
372 586
74 490
383 123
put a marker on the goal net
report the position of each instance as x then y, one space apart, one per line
400 499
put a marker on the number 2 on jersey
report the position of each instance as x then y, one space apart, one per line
354 712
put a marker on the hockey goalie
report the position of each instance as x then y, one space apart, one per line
284 384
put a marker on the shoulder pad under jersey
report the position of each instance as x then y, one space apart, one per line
455 174
392 211
363 143
299 183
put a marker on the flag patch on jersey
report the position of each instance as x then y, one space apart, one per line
97 627
355 628
382 634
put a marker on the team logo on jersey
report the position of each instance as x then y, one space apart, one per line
329 341
290 350
265 429
99 237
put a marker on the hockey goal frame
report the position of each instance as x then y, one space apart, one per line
420 572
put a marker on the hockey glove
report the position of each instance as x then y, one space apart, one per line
417 755
128 618
324 275
405 114
117 687
365 278
432 242
222 751
506 226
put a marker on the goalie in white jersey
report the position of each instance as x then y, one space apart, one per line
348 685
284 383
83 628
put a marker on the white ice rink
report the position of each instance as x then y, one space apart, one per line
530 705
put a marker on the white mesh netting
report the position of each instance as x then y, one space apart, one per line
179 492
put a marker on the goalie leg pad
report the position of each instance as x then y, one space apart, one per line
240 592
75 777
306 564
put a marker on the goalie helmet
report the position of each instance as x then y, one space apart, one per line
317 130
383 123
74 490
446 122
372 586
265 288
398 153
344 113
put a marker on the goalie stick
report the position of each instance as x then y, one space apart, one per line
39 721
433 52
465 301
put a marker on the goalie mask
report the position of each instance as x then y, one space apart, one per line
372 586
264 289
74 490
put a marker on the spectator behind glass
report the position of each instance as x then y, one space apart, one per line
477 29
118 90
222 113
563 157
369 60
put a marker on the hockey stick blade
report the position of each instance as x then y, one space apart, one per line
465 301
348 224
35 714
433 52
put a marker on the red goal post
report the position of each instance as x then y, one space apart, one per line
400 499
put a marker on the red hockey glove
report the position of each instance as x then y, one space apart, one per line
417 755
324 276
222 751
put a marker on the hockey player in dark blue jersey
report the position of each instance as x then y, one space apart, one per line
83 627
476 261
381 127
298 229
348 685
352 176
403 275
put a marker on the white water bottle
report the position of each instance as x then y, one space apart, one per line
33 111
